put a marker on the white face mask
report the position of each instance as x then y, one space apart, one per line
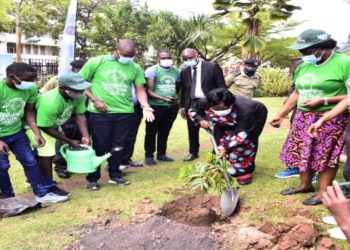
222 112
190 63
166 63
125 60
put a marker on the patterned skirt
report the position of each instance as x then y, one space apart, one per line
306 153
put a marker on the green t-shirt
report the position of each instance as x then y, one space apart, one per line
111 82
12 104
164 83
53 110
326 80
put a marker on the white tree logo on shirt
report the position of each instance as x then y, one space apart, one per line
118 83
14 110
66 114
305 80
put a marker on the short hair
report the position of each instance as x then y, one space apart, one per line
220 95
78 63
164 51
19 68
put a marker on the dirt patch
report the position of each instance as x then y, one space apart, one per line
156 232
195 210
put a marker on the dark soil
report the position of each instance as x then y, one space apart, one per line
195 210
155 233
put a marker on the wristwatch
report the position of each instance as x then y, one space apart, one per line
325 100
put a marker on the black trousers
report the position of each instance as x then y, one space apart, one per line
131 137
71 131
160 128
193 135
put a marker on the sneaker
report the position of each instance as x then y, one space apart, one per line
93 186
119 181
59 191
164 158
63 174
336 233
27 184
343 157
288 173
150 161
123 167
51 197
329 220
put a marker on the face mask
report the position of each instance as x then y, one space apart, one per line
125 60
73 95
249 72
190 63
222 112
24 85
166 63
312 59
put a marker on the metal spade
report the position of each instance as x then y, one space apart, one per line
230 196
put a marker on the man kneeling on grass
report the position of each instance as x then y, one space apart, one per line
54 108
17 97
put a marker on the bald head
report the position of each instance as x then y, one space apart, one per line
125 48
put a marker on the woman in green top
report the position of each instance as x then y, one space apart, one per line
319 86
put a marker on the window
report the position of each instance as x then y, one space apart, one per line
35 49
54 51
11 48
27 49
42 50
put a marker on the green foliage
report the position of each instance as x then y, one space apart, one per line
207 176
6 9
275 82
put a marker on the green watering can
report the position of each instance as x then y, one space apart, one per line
83 159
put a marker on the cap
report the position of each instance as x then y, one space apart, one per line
309 38
252 62
78 63
73 80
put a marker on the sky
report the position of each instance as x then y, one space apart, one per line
332 16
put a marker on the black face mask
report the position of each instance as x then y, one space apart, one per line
249 72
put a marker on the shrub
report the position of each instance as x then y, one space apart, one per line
275 82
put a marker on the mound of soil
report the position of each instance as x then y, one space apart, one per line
155 233
195 210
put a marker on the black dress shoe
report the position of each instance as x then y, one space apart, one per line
191 157
164 158
63 174
312 201
291 191
135 164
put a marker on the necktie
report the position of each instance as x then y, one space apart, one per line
193 83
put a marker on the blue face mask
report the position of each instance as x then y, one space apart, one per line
125 60
311 59
24 85
190 63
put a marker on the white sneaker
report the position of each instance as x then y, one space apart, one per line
343 157
329 220
336 233
123 167
51 197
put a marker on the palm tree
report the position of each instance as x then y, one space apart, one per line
248 11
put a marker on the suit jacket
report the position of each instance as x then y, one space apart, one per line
211 76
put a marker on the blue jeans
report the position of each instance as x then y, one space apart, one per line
108 131
19 145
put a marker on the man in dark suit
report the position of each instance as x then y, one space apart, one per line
196 80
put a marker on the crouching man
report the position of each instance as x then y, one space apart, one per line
237 123
54 108
18 94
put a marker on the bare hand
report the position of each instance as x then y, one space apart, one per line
4 148
100 106
183 113
276 122
74 143
86 140
313 129
337 203
40 141
148 114
171 100
205 124
313 103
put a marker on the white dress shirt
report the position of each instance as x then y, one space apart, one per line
198 93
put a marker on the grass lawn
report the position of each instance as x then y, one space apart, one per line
57 225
